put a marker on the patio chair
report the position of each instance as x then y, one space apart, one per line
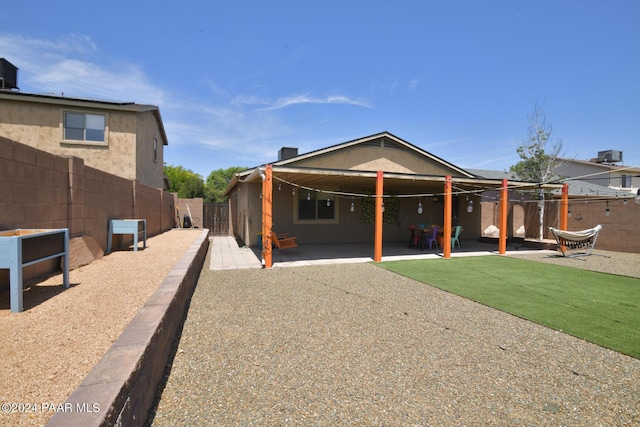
433 238
283 241
456 237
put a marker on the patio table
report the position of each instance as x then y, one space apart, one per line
418 233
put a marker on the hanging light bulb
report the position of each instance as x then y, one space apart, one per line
470 206
419 207
261 195
382 206
308 196
328 202
293 191
607 212
353 206
569 212
279 186
625 201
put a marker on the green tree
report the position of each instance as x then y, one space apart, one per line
185 182
540 156
217 182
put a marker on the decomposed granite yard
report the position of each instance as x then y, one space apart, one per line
354 344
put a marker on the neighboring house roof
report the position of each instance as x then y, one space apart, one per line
86 103
577 188
493 174
605 166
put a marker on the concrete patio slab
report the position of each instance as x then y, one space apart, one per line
227 255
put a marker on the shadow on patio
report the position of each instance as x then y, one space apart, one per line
343 253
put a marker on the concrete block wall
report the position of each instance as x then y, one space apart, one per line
42 190
620 230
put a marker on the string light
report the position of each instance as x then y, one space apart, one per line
480 191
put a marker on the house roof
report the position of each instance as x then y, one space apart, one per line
588 190
577 188
85 103
604 166
299 171
386 139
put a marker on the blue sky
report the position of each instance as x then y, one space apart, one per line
237 80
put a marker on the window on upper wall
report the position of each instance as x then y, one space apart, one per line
155 149
83 127
316 207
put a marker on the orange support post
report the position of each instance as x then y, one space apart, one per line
267 217
504 211
446 241
377 244
564 210
564 207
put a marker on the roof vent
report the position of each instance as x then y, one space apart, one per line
286 153
8 75
609 156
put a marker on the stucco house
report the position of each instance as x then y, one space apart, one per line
603 170
122 138
325 196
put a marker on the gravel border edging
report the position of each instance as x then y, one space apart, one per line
120 389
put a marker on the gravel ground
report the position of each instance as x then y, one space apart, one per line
357 345
49 348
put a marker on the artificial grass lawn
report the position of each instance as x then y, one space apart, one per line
598 307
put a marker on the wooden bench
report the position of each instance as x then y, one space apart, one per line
283 241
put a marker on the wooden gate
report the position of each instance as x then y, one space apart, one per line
216 218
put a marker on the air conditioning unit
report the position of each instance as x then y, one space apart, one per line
8 75
609 156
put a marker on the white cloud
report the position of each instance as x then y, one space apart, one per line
308 99
58 66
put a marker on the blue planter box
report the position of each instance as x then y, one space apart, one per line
20 248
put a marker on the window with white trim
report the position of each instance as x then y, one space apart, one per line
85 127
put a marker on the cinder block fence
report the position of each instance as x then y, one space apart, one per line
42 190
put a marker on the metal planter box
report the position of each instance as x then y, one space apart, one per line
20 248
